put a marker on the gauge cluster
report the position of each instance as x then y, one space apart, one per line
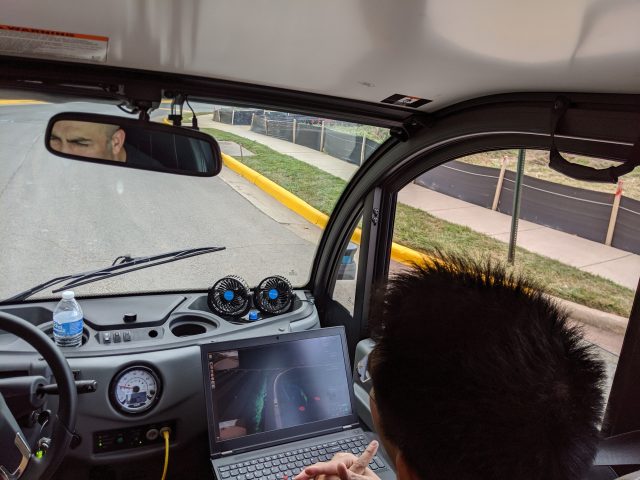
135 389
231 297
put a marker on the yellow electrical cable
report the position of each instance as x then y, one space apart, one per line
165 434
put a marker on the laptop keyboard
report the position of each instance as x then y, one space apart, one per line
284 466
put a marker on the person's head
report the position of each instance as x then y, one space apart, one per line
87 139
478 375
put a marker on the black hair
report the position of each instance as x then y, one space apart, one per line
478 375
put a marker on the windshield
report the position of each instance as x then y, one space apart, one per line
60 216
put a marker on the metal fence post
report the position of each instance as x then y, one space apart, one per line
266 125
614 214
515 214
496 197
294 130
362 150
253 116
322 137
233 116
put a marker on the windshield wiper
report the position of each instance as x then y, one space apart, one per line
126 264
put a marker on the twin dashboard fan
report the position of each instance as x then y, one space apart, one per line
231 296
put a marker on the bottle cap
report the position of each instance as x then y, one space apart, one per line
67 294
253 315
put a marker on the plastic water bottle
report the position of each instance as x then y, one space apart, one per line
67 321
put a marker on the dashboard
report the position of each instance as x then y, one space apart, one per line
144 353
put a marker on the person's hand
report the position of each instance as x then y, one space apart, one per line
344 466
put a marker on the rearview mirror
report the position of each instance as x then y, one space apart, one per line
133 143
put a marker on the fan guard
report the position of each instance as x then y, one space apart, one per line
274 295
229 296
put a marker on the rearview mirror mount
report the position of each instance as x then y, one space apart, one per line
133 143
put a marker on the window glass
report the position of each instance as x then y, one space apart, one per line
281 178
344 291
577 239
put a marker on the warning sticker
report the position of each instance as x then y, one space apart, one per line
405 100
50 44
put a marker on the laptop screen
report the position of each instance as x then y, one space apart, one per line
282 383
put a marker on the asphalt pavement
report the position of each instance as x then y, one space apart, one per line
60 216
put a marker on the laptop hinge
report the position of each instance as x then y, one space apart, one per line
228 452
349 427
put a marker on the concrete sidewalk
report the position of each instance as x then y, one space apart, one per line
617 265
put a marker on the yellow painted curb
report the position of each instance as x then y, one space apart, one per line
22 102
405 255
399 253
289 200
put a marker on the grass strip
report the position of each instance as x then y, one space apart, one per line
418 230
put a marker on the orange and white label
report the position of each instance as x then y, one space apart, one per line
51 44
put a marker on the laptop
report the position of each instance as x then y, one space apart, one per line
279 403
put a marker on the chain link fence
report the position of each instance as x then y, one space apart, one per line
586 213
328 136
234 116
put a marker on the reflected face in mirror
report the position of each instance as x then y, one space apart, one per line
134 143
93 140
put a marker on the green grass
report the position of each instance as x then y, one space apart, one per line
316 187
421 231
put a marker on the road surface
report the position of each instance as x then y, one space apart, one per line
60 216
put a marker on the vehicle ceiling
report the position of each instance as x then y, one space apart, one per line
442 50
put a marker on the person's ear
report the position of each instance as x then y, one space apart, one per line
404 471
117 141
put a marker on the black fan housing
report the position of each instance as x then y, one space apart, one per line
229 296
273 295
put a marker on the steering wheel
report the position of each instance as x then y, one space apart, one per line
16 458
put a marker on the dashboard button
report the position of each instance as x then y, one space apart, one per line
116 337
106 337
126 336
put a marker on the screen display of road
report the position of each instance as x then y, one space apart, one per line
266 388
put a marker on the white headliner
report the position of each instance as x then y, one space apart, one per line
444 50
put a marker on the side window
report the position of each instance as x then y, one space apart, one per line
344 291
577 239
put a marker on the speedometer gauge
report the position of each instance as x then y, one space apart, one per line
135 389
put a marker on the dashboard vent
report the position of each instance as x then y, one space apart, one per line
273 295
229 296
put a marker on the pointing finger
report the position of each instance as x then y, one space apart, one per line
361 464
